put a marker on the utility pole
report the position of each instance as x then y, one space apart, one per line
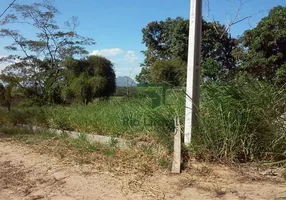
193 71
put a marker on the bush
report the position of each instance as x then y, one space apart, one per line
241 121
27 115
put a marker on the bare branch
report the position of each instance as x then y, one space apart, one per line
207 3
231 20
236 19
11 4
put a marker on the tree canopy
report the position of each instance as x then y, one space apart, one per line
264 47
89 78
38 63
168 40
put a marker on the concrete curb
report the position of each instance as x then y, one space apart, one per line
121 143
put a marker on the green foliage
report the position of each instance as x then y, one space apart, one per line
5 96
211 69
89 78
143 76
265 46
82 144
165 162
168 40
38 69
109 118
31 115
60 122
8 92
218 45
241 121
169 72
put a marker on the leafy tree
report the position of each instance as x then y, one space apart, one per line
211 69
39 66
263 53
89 78
170 72
10 90
5 96
165 40
168 40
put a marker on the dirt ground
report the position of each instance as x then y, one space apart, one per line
29 175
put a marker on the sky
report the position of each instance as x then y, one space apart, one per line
116 25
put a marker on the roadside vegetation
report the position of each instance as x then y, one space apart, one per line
81 151
240 121
243 97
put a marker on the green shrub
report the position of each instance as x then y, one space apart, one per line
241 121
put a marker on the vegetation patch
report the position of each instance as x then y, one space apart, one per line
82 151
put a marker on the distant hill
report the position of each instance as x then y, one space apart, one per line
123 81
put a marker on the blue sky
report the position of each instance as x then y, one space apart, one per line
116 25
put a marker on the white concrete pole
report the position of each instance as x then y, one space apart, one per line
193 71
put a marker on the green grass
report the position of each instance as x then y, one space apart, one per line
81 144
128 118
240 120
81 151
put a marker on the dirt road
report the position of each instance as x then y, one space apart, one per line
28 175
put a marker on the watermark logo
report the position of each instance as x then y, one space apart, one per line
135 121
157 94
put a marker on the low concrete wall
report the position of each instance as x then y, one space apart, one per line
122 143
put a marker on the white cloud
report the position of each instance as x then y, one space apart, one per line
118 73
108 52
131 56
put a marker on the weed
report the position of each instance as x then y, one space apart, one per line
203 170
92 147
186 182
239 122
113 142
110 151
147 149
164 162
60 122
219 190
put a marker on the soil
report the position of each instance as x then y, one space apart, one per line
26 174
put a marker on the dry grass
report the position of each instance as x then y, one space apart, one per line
220 191
138 169
107 157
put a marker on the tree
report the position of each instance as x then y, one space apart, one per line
165 40
169 72
5 96
168 40
39 66
211 69
10 91
263 53
89 78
